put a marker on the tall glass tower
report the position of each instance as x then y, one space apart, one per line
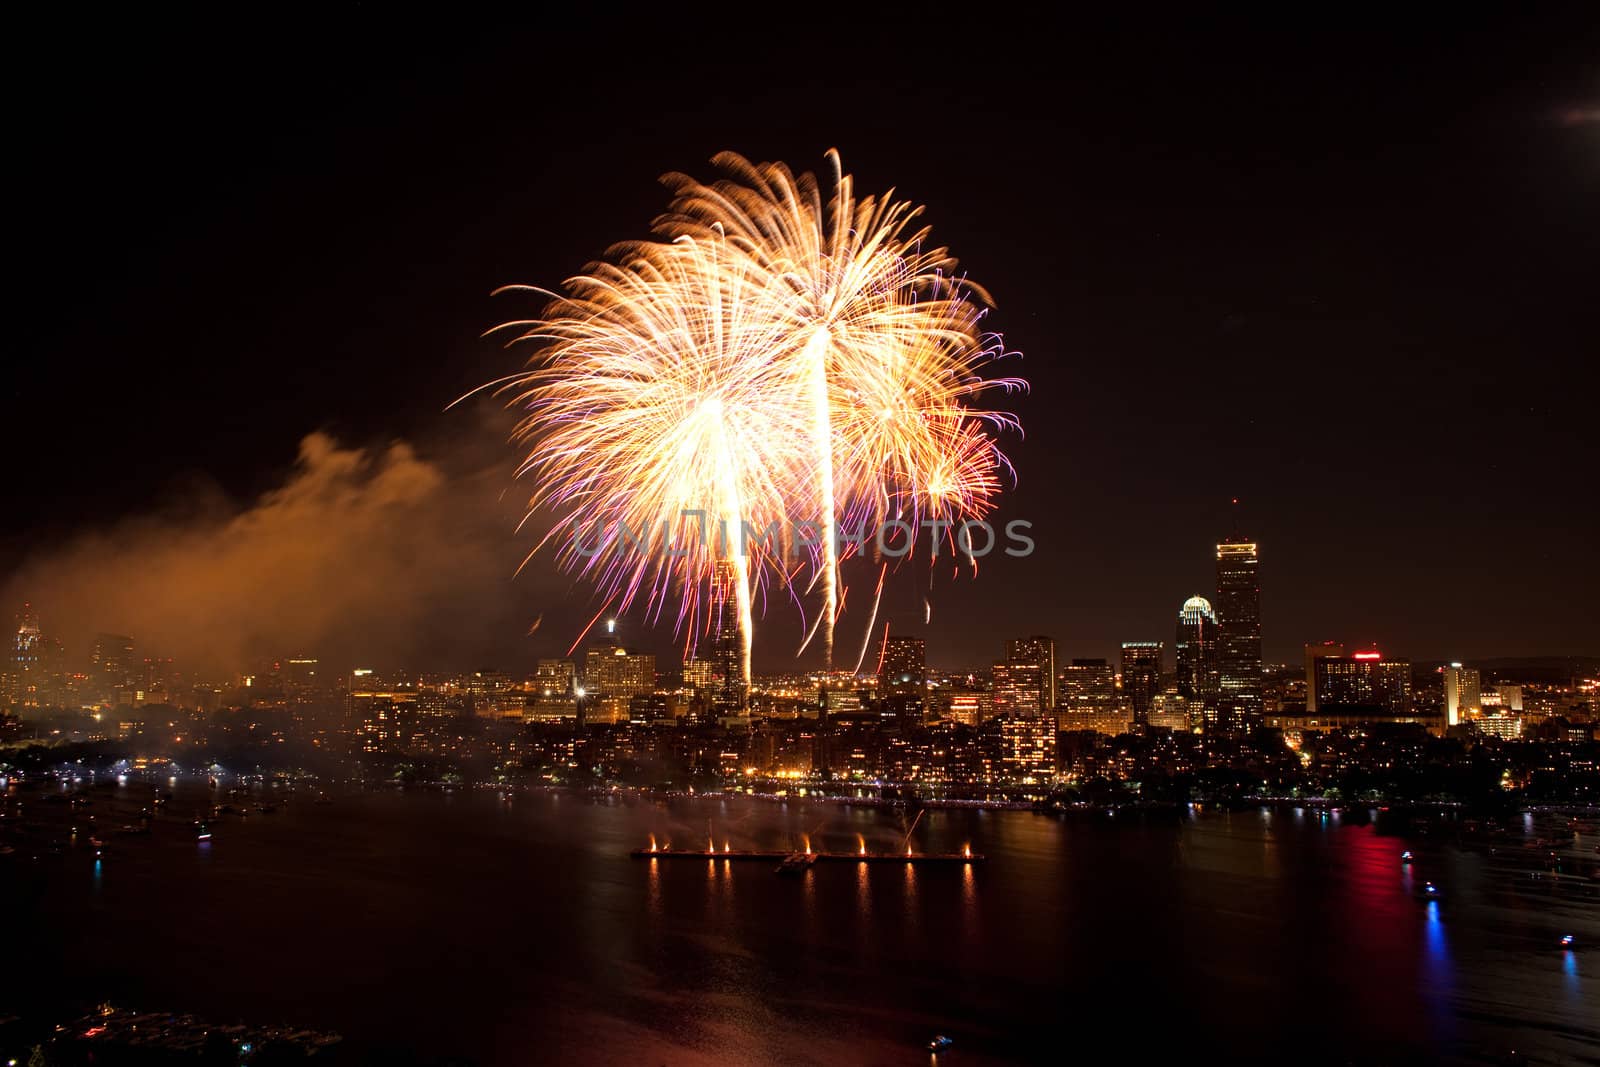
727 649
1141 677
1238 606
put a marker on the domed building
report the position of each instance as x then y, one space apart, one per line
1197 656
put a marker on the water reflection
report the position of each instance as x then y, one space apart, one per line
971 926
1305 922
863 894
1438 973
913 914
1437 949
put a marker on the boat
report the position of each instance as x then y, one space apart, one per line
1568 941
202 830
940 1042
1406 857
796 864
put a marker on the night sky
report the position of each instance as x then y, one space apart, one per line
1346 274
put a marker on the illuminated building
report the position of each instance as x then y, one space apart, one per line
111 662
22 672
1238 608
491 696
1141 677
1505 727
727 646
653 707
1087 698
969 707
1462 697
25 653
838 701
1030 677
615 672
1507 698
1021 749
1326 650
551 693
1016 688
1086 686
1363 680
698 674
1196 649
1170 710
381 720
904 667
297 677
557 707
554 677
903 678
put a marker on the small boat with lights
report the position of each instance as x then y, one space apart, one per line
797 863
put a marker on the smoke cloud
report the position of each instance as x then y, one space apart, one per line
386 555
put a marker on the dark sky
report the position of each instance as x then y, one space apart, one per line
1346 273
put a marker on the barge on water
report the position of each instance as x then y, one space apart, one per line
799 861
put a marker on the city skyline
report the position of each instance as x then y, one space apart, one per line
1196 655
1263 304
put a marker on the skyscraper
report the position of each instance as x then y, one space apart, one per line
111 662
1238 606
19 675
727 650
1196 648
1141 677
1016 689
1087 687
25 653
1326 650
904 668
1462 693
1032 662
903 678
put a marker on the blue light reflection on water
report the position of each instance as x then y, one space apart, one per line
1438 973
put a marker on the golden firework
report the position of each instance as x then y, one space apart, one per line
771 357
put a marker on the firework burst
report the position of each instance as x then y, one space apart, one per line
773 353
884 335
